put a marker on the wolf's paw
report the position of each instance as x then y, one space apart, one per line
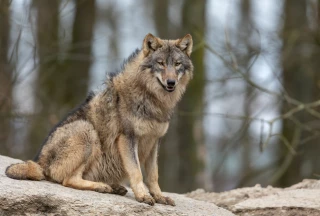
163 200
118 189
103 188
146 199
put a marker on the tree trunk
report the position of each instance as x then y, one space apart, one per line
245 31
5 78
190 127
301 78
77 68
61 83
47 46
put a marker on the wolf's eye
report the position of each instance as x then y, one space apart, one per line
161 63
178 64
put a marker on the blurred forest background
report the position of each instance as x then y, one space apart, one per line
251 114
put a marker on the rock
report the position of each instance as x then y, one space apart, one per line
300 199
285 202
230 198
21 197
306 184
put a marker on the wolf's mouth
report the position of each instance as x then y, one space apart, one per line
170 89
167 88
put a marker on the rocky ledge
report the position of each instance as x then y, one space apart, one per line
45 198
21 197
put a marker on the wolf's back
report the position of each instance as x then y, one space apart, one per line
27 170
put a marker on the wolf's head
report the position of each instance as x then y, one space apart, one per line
168 61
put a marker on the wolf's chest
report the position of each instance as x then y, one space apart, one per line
149 128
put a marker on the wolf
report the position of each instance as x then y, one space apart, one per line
116 131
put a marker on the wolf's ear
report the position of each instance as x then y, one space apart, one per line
185 44
150 44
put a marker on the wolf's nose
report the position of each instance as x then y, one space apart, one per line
171 82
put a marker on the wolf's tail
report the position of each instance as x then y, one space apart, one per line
27 170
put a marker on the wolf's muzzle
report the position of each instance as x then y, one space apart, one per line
168 87
171 83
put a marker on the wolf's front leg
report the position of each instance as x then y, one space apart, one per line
151 166
128 148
